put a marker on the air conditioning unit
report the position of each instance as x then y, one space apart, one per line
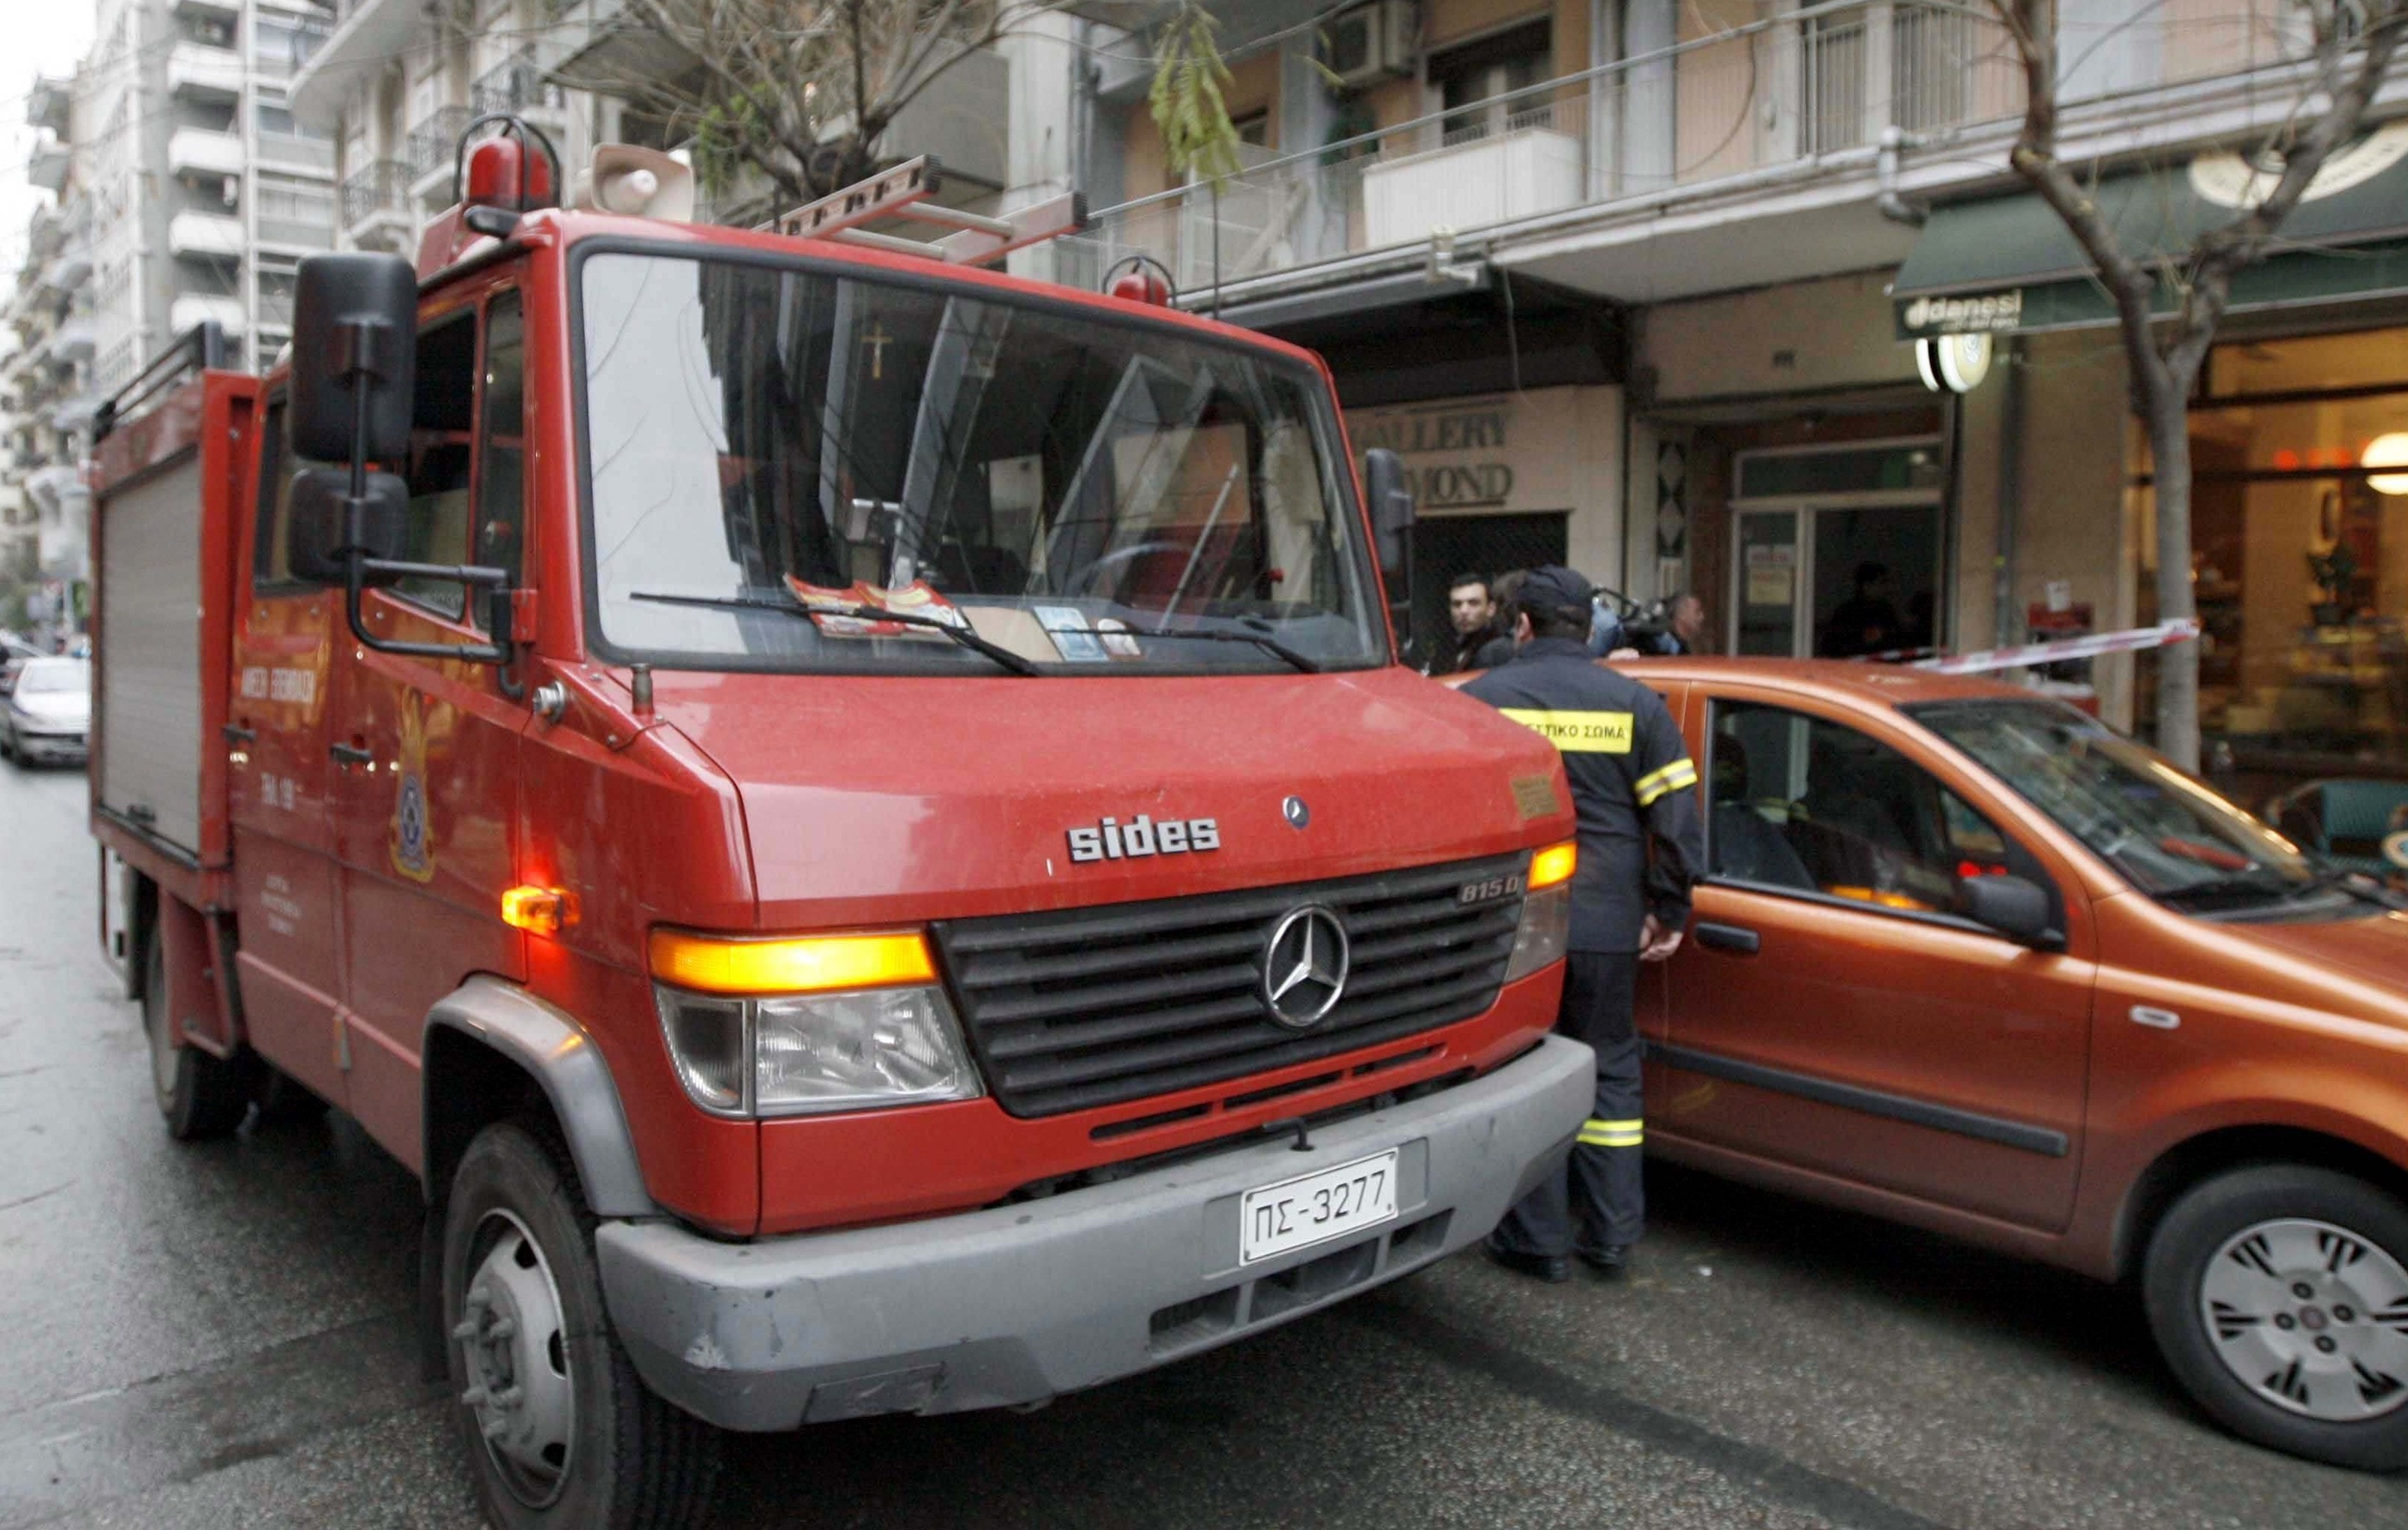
1370 43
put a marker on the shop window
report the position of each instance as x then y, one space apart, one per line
2300 557
1805 804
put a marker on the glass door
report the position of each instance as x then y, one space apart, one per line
1766 602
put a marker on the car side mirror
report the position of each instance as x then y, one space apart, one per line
2013 906
1392 531
324 526
355 358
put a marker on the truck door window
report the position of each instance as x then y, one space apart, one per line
271 572
1807 804
442 425
501 450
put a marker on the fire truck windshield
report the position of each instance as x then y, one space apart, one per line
774 455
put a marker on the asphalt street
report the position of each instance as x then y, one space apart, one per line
218 1336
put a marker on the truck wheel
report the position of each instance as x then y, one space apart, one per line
201 1096
2279 1297
285 1101
559 1429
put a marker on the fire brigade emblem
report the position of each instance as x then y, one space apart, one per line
411 841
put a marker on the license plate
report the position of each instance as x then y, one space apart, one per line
1315 1207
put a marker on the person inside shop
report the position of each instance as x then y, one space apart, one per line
1867 621
1641 847
1473 614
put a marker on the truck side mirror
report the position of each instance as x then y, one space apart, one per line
355 358
1392 528
324 527
2012 906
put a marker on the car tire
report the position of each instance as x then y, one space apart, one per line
199 1096
560 1431
2278 1295
285 1101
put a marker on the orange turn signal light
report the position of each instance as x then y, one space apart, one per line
542 910
791 964
1554 864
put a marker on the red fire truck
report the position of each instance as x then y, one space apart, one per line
855 819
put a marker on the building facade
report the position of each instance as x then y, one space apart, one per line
1689 236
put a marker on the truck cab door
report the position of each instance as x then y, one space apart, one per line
287 910
425 752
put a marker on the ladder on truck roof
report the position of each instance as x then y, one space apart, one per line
904 192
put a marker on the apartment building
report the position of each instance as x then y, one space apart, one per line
46 379
398 82
1636 282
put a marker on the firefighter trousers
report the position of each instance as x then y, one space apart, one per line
1597 1200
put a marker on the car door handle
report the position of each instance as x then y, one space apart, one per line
346 754
1729 937
237 733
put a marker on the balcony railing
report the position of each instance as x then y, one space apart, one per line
378 186
516 84
435 140
1819 82
292 149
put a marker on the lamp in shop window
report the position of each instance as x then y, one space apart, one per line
2390 450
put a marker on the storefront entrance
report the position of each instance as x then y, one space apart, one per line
1838 550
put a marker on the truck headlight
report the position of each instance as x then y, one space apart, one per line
1546 927
746 1054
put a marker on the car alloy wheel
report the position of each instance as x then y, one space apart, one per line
2311 1317
516 1346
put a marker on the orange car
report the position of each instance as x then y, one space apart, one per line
1970 959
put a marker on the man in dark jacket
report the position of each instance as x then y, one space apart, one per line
1641 848
1472 616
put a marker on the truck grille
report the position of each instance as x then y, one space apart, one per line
1083 1007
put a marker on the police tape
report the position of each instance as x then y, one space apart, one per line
2061 649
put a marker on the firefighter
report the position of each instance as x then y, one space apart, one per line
1641 847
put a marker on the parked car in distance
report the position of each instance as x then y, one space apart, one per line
47 714
14 652
1970 959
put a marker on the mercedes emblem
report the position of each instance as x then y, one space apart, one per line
1304 967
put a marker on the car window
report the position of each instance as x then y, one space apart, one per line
1805 803
42 676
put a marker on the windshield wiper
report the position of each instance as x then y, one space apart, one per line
2239 886
1201 634
961 635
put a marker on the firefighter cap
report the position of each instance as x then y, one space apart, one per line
1550 587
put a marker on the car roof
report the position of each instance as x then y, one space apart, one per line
1847 680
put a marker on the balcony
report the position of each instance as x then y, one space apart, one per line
294 218
46 166
205 234
294 151
73 339
367 35
375 206
47 104
434 144
192 308
202 152
199 72
517 84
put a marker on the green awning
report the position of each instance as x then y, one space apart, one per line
2008 262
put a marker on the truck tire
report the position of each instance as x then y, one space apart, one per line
560 1432
199 1095
2279 1297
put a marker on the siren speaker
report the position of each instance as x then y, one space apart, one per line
641 182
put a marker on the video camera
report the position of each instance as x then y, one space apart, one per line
1617 621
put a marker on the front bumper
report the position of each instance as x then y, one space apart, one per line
1019 1303
51 746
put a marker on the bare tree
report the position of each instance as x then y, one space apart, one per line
2349 46
797 93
